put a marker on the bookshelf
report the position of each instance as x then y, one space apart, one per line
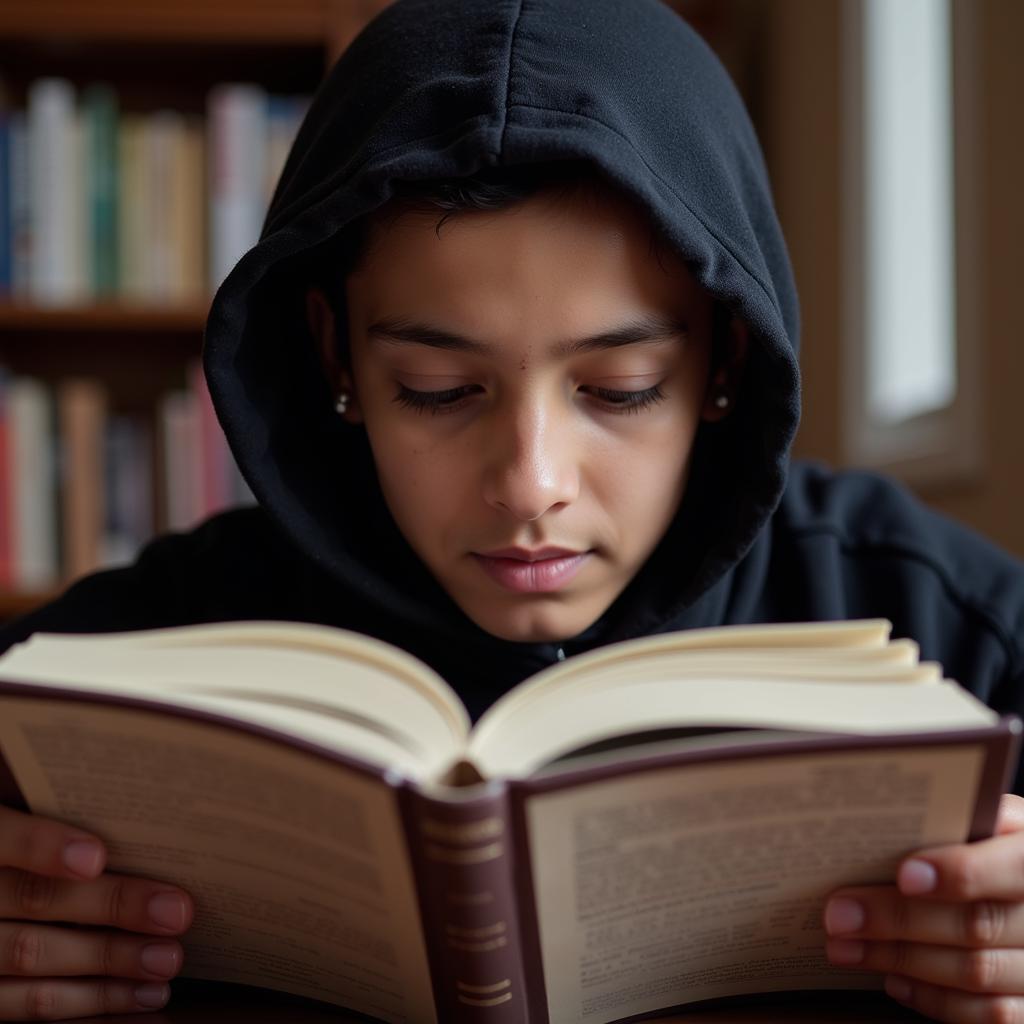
156 56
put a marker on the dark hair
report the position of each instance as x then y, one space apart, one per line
490 189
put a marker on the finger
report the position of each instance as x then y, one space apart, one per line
882 913
39 950
992 869
1011 814
953 1007
48 847
52 999
118 901
991 971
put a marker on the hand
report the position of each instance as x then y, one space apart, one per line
950 935
53 872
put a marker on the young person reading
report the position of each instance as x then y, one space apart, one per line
513 374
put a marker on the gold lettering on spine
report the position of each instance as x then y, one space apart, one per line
479 947
484 990
498 928
485 1002
477 855
462 835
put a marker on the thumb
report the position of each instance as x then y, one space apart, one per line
1011 814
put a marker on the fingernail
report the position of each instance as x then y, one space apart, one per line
917 877
899 988
161 958
83 857
152 997
844 952
843 915
167 909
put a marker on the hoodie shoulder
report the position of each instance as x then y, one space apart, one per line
882 548
235 565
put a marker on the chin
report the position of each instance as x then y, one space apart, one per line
532 625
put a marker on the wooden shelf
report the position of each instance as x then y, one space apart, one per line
113 317
17 602
225 21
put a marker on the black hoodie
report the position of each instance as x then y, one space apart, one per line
440 89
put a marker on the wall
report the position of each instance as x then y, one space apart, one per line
800 125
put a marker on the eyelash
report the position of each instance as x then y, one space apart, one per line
435 402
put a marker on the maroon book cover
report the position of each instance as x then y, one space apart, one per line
469 847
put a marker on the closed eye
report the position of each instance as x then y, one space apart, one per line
433 401
628 401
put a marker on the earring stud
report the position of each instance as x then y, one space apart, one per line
722 402
341 405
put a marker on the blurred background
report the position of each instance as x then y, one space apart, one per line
140 143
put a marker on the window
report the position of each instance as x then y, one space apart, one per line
910 342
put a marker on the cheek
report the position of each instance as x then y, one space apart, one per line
423 484
641 473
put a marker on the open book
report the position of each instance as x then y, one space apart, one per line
647 825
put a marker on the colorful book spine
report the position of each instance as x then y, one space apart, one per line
82 404
237 123
6 488
128 492
161 137
5 204
20 205
187 204
33 497
52 184
131 203
98 204
100 117
214 454
182 476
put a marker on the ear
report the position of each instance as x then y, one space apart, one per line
724 378
320 318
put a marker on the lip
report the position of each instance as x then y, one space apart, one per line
541 571
526 555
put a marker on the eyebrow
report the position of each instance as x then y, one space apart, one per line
645 328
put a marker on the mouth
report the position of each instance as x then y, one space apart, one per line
538 571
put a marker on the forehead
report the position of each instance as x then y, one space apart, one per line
564 260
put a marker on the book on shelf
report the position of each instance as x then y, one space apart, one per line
650 824
97 203
31 460
200 475
84 486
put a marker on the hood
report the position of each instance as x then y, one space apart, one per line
439 89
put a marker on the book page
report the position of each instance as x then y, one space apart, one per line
337 688
675 885
857 640
535 736
298 866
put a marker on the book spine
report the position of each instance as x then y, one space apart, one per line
82 417
179 448
237 183
6 487
462 856
5 204
100 112
20 206
191 211
131 194
33 527
53 172
162 139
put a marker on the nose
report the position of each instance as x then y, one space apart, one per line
532 466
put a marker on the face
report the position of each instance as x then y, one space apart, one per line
531 382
